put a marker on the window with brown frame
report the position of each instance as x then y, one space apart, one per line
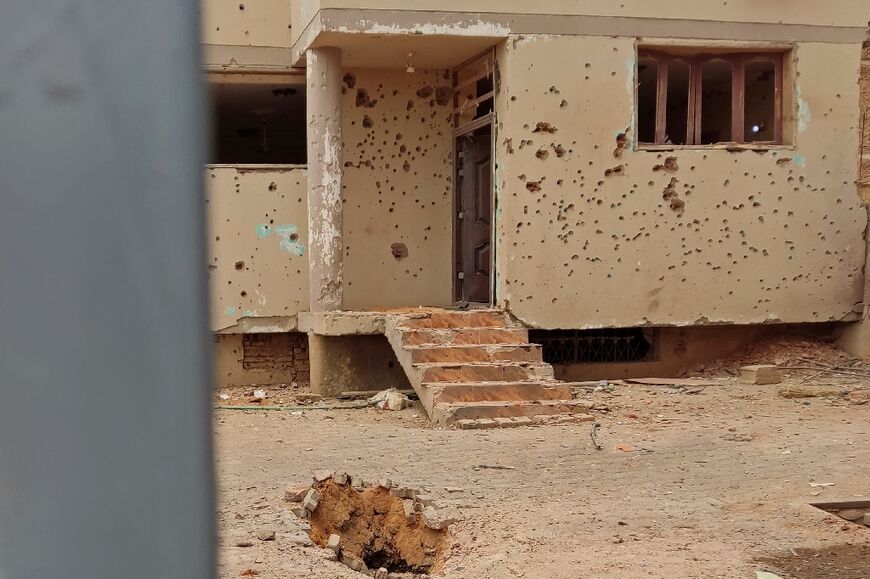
704 99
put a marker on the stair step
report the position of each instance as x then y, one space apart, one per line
450 319
485 372
477 353
483 423
451 392
446 413
463 336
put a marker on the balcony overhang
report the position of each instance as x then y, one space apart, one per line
384 38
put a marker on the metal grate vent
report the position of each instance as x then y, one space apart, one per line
592 346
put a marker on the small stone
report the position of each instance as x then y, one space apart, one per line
851 514
300 512
340 478
760 374
403 492
523 420
322 475
859 396
244 544
334 543
301 539
311 500
266 535
295 494
381 573
385 483
504 422
354 562
866 520
410 512
425 500
441 518
356 482
454 489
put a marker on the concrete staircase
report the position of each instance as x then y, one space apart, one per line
477 369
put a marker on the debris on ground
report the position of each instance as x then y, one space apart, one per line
760 374
798 391
390 399
258 395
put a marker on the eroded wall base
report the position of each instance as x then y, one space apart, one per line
261 359
685 349
343 363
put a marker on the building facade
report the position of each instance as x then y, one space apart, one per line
641 185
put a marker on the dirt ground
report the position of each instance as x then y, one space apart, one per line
711 481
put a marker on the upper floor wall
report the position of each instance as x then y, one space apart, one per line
246 22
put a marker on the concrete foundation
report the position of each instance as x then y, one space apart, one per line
342 363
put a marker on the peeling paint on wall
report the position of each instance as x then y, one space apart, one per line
687 236
803 111
257 233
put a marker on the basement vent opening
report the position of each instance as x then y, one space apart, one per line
595 346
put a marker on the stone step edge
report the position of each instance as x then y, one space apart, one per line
496 383
585 404
480 363
513 422
457 346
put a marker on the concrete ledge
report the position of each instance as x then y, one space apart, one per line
262 325
342 323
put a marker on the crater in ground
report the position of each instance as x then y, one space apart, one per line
373 527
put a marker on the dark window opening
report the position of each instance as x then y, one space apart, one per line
704 99
594 346
258 123
760 117
473 91
715 102
647 82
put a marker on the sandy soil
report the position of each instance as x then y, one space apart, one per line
712 482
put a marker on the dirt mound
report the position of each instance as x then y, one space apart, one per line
372 525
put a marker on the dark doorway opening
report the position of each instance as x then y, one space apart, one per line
473 259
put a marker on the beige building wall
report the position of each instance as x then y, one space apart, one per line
246 22
397 189
258 238
833 13
585 238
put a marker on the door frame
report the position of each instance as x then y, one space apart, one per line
477 124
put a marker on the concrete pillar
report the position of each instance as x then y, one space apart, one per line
325 246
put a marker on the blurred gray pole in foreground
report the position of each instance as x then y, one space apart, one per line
105 434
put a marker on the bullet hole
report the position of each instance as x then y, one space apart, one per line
443 94
671 190
363 100
618 170
349 79
243 293
406 166
294 236
621 141
542 154
533 186
783 160
509 145
240 265
399 250
410 105
425 92
367 122
544 127
273 186
670 165
241 6
560 152
563 104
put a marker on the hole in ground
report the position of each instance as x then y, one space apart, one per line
373 527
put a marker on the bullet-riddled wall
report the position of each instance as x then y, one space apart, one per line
258 242
397 191
587 235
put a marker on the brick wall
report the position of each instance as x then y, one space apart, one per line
286 354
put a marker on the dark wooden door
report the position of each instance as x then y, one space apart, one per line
474 218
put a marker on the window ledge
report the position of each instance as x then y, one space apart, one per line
256 166
733 147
